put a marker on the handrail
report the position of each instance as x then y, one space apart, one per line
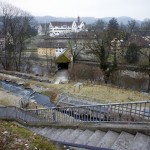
132 112
81 146
123 103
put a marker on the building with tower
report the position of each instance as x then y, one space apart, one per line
56 28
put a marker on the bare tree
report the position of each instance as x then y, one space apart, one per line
16 25
105 47
147 67
76 46
47 46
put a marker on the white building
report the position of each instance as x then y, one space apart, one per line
61 28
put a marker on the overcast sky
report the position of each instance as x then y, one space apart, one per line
137 9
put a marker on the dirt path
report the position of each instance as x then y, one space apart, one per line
61 76
8 99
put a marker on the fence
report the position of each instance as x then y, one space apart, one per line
12 112
133 112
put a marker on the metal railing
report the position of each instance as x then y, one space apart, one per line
12 112
133 112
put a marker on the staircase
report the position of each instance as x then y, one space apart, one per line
118 136
89 139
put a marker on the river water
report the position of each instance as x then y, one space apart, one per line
26 92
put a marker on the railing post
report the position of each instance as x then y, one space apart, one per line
140 113
135 112
54 116
149 112
144 109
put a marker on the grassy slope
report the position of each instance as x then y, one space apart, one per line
99 93
15 137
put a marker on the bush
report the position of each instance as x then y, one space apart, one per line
132 54
84 72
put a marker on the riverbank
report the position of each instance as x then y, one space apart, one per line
97 93
9 99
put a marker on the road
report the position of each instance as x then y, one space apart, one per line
61 76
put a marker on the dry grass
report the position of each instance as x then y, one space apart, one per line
102 93
18 138
8 99
98 93
51 94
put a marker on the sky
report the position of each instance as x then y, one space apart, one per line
136 9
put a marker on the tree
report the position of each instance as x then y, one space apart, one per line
47 46
100 47
113 28
113 24
76 46
100 24
145 28
132 53
15 29
147 66
132 27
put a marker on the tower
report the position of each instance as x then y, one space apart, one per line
78 20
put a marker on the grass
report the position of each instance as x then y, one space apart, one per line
15 137
51 94
5 102
98 93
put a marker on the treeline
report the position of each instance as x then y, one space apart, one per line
16 27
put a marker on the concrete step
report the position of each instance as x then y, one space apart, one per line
123 141
73 136
31 128
43 131
62 137
82 139
95 138
140 142
56 134
49 133
108 140
36 130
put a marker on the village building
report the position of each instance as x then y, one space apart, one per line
61 28
57 52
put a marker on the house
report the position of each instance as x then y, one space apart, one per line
53 50
61 28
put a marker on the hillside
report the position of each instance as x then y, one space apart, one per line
87 20
15 137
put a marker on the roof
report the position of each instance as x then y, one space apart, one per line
56 23
64 58
53 44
